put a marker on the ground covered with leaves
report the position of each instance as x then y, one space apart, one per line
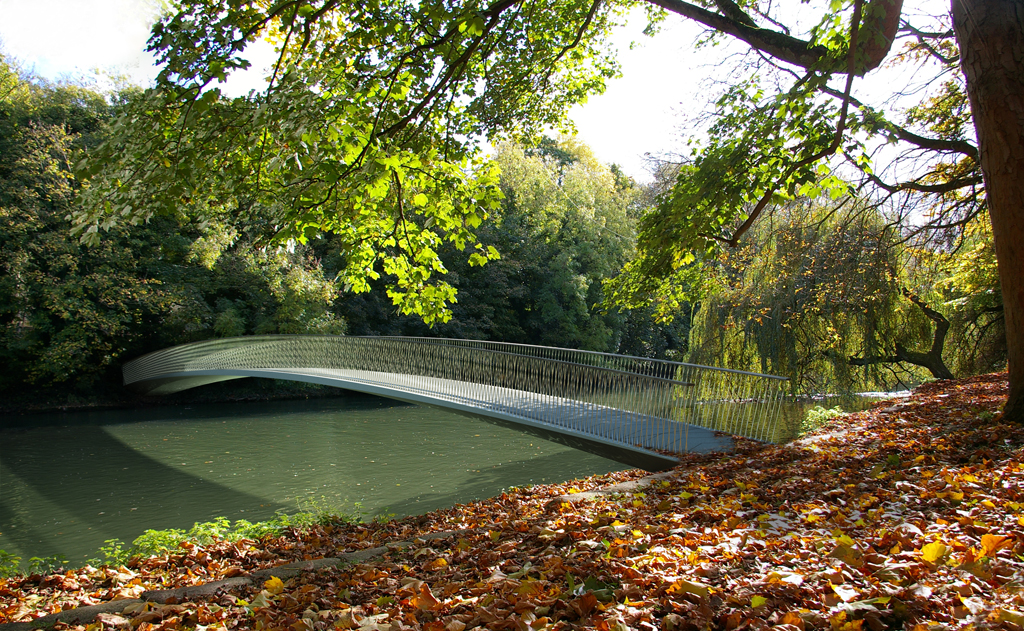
909 515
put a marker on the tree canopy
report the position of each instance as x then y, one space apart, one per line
372 122
69 313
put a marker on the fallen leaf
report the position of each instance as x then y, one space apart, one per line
274 585
690 587
934 551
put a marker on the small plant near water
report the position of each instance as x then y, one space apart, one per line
47 565
818 416
312 512
10 565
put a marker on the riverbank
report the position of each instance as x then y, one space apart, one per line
121 398
909 515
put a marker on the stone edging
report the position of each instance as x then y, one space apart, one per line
622 487
87 614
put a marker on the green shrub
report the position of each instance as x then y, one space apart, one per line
818 416
10 565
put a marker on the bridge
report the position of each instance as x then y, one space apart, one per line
634 410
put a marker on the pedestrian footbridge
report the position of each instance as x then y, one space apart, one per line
634 410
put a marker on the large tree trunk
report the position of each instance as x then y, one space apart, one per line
932 360
991 38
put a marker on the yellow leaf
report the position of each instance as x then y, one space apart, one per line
1009 615
275 585
436 564
991 543
690 587
758 601
934 551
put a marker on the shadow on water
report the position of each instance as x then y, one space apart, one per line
69 482
92 481
66 472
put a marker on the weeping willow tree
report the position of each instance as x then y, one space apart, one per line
820 293
968 279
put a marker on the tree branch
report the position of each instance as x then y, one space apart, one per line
934 144
884 24
779 45
836 138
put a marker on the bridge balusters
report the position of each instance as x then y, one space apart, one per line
622 399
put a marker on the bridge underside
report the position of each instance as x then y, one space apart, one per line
580 426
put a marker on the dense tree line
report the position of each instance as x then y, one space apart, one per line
70 314
830 291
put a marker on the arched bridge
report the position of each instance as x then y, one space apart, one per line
625 408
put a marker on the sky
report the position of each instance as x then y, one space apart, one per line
664 81
640 112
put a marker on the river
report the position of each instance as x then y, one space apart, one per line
69 482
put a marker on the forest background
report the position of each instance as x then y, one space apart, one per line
836 291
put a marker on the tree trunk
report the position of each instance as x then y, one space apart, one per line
932 360
990 34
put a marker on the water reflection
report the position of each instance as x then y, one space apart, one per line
69 482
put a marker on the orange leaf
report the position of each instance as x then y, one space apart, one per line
991 543
793 618
425 600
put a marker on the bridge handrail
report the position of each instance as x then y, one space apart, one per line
652 360
644 388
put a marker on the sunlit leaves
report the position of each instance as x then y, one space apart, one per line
369 131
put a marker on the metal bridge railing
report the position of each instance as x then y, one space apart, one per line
640 401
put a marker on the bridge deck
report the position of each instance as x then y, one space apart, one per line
595 428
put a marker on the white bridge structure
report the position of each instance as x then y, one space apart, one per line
635 410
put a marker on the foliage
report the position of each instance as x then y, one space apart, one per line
969 281
369 129
818 416
778 135
70 313
312 512
564 227
10 565
803 294
64 311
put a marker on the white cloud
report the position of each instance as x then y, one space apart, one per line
58 37
662 87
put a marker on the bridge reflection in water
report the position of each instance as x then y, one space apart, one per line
625 408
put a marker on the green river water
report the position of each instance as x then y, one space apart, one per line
69 482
